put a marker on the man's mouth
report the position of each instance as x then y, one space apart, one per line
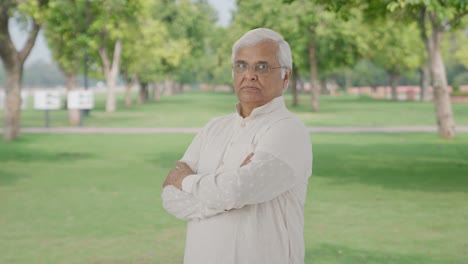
250 88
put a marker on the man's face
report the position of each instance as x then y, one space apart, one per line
255 89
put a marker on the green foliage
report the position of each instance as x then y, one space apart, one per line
34 9
460 40
172 41
66 33
337 42
447 14
180 40
365 73
195 23
444 15
108 22
461 78
396 46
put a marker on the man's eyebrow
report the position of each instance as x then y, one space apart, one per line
258 62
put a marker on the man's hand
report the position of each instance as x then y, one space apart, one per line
177 175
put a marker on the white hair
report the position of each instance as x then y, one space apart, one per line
254 36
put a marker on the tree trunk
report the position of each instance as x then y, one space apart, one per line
156 91
175 87
393 79
111 71
13 61
128 95
12 108
443 105
143 94
323 87
348 79
425 82
315 87
73 114
128 90
168 86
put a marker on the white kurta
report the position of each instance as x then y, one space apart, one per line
250 214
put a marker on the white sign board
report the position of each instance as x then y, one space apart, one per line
24 100
80 99
47 100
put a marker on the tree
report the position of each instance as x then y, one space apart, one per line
220 48
65 32
326 41
141 63
189 23
395 48
461 51
434 19
160 49
31 13
195 22
109 21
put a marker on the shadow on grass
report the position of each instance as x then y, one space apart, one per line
40 156
421 167
329 253
9 177
23 157
20 150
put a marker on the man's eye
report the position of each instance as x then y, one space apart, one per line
242 66
262 66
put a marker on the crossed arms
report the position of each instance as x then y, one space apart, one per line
276 167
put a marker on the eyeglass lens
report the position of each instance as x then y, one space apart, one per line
258 68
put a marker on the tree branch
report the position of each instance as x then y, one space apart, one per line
442 3
433 19
7 48
422 23
456 19
23 54
105 60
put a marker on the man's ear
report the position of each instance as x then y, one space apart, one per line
286 78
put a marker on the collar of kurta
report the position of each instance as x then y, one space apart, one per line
269 107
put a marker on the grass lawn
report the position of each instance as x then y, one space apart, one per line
373 198
195 109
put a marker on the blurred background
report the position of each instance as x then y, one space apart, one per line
99 98
393 50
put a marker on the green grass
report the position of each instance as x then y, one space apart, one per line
194 109
373 198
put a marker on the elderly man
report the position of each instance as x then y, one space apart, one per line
242 182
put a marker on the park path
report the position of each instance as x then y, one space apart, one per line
191 130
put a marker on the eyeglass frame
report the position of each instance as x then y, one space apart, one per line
255 69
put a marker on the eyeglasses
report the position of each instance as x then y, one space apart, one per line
259 68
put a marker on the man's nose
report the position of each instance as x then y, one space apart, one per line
251 74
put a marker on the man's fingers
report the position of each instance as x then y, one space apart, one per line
181 165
